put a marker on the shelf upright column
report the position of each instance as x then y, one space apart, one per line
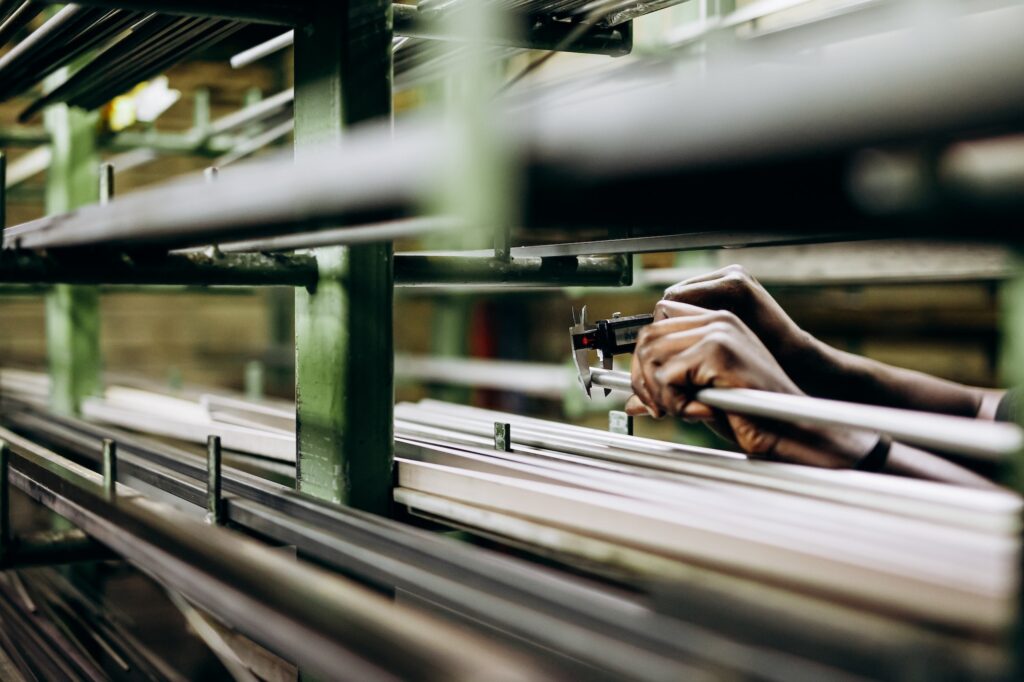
72 311
344 365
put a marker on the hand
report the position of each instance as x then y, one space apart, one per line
697 348
733 289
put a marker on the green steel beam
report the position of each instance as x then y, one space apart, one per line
72 312
343 331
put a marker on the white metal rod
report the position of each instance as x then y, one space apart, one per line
258 52
962 435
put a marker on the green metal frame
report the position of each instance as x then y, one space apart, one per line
344 354
72 312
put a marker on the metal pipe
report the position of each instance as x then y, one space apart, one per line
263 109
258 52
415 270
312 617
397 229
961 435
209 268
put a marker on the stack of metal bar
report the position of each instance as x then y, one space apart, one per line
839 569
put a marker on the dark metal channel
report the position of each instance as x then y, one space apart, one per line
531 605
192 269
320 621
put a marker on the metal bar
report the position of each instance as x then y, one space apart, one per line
577 152
208 268
961 435
281 12
266 108
397 229
593 629
305 614
258 52
415 270
675 242
343 330
19 19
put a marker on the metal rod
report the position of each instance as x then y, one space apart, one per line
207 268
281 12
214 504
984 440
315 618
258 52
264 109
416 270
109 468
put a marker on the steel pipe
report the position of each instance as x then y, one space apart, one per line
960 435
413 270
192 269
305 614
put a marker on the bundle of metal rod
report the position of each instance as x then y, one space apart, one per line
69 34
583 629
155 43
900 555
16 16
307 615
747 137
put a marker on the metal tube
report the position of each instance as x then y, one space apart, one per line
258 52
266 108
984 440
207 268
425 270
315 618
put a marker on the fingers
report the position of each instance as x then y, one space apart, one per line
640 391
666 309
635 407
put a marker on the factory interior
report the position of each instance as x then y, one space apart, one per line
511 340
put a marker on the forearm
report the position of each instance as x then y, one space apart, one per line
913 463
830 373
844 449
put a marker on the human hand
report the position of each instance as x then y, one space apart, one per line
733 289
696 348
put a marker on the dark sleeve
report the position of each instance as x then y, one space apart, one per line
1008 409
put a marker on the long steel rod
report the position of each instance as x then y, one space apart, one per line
282 12
559 615
578 152
961 435
320 620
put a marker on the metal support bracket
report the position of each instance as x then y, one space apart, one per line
46 548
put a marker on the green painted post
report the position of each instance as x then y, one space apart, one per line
1012 374
72 312
343 331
